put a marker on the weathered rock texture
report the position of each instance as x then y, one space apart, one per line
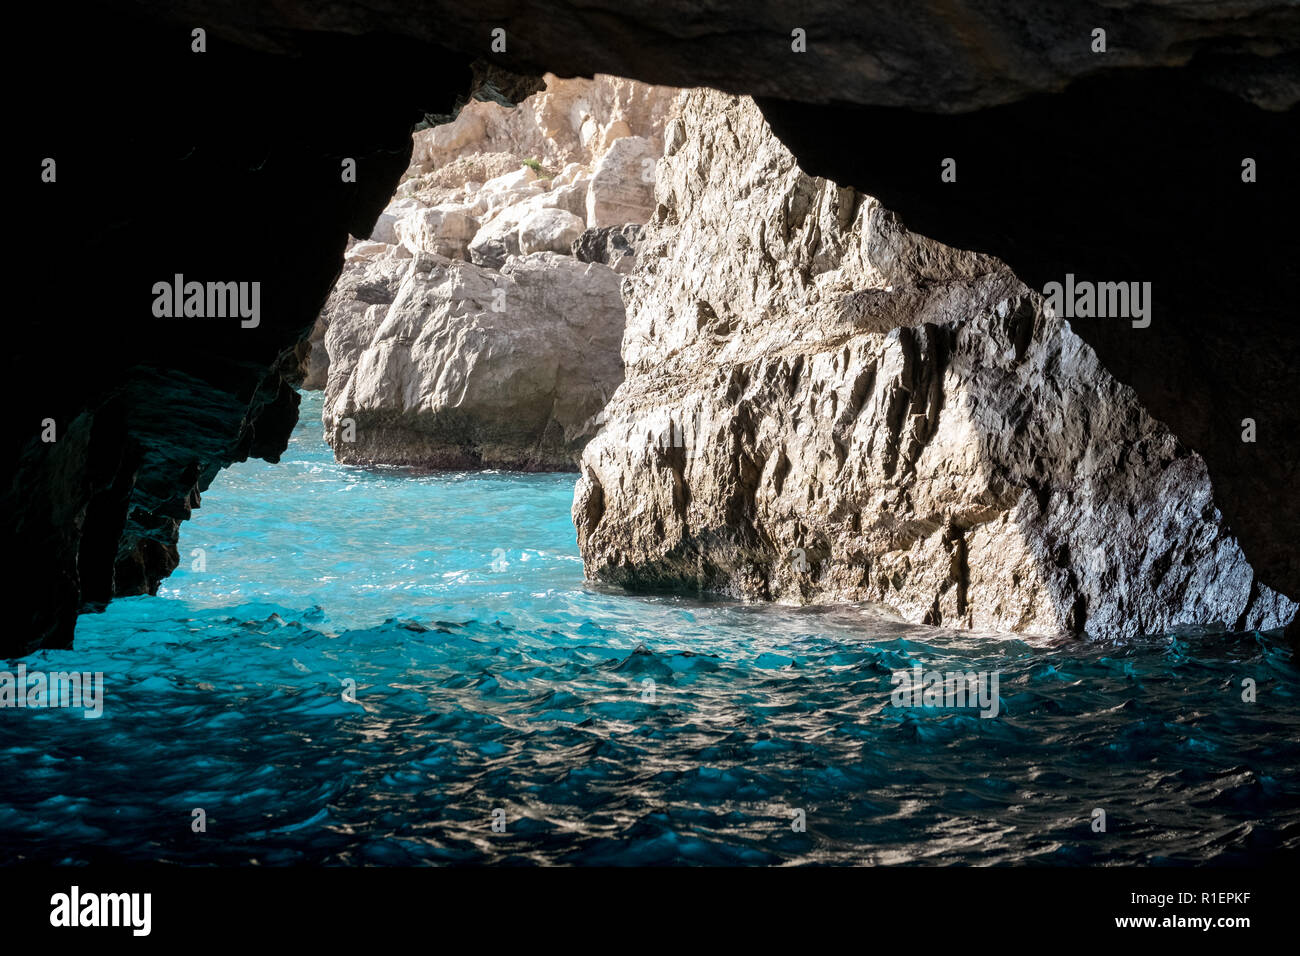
614 246
822 406
622 187
500 361
1150 189
569 121
1110 165
439 363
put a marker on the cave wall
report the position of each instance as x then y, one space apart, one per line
934 55
220 166
225 166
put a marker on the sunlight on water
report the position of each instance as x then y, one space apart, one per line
611 729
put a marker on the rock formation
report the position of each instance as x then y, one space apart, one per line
427 371
1124 164
568 121
622 188
501 361
821 406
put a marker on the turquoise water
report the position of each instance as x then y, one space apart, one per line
490 677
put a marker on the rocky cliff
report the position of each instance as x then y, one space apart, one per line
426 372
822 406
479 326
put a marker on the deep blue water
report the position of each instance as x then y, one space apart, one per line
489 676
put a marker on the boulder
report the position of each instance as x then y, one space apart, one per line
499 237
441 230
570 174
549 230
571 197
359 300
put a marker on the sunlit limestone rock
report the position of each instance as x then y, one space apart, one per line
386 226
504 203
498 182
501 233
549 230
465 367
372 273
572 198
622 187
510 188
821 406
571 121
440 230
499 236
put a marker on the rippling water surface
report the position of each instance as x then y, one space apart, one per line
489 677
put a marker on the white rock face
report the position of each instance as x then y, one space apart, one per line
445 380
622 188
465 367
572 173
441 230
367 250
513 187
355 308
572 198
549 230
386 227
499 237
571 121
821 407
